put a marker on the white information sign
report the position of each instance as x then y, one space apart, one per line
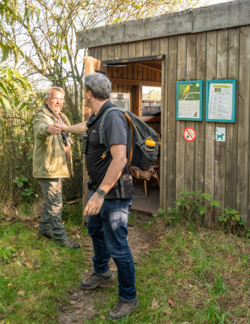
220 135
189 109
220 101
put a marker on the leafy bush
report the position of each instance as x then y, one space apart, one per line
191 207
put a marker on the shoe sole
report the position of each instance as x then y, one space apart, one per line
98 285
132 310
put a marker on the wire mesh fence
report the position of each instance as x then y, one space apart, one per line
16 159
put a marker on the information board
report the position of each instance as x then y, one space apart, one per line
220 101
189 100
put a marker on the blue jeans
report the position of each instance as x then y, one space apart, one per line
108 230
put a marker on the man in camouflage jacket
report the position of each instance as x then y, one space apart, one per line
52 161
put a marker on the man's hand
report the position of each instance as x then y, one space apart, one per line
94 205
54 129
64 128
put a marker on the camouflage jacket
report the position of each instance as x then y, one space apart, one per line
49 158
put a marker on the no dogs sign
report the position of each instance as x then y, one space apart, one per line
189 134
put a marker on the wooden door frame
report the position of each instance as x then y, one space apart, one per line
110 63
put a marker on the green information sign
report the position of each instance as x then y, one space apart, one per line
189 100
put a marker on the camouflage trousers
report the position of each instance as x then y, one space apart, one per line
52 208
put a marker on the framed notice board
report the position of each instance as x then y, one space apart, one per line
189 99
220 101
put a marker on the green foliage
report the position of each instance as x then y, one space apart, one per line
27 192
6 253
231 219
192 205
12 86
19 180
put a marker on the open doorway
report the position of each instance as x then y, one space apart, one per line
137 86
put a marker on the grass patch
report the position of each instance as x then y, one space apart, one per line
35 273
189 274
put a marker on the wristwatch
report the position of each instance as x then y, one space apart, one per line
101 193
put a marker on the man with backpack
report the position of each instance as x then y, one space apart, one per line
112 193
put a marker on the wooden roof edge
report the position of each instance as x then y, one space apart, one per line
219 16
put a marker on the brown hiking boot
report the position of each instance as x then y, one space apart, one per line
96 280
69 243
48 234
123 308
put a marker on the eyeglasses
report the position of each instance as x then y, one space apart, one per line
56 99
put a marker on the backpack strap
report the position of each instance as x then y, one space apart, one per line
103 139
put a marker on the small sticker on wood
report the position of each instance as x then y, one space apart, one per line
220 134
189 134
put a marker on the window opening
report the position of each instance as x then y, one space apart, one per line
151 101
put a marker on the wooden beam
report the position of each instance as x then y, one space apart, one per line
148 119
135 82
149 67
140 100
133 60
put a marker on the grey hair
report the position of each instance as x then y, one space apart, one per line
51 89
98 84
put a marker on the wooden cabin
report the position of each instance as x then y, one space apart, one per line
209 43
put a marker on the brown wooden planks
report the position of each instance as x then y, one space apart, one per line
211 74
171 123
104 53
118 55
231 144
147 49
200 126
220 147
180 125
164 123
139 53
98 53
91 52
125 88
243 122
190 146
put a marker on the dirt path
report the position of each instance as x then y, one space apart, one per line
83 302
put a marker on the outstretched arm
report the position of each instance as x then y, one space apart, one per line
76 129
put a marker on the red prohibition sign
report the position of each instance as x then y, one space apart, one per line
189 134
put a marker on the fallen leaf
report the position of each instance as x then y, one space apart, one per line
80 311
103 317
146 246
55 251
171 302
78 236
168 272
22 253
19 264
21 292
63 222
113 269
161 237
10 284
17 212
154 303
86 245
28 265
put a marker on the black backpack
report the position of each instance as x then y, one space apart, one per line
143 141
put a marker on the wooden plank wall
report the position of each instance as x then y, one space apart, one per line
221 169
